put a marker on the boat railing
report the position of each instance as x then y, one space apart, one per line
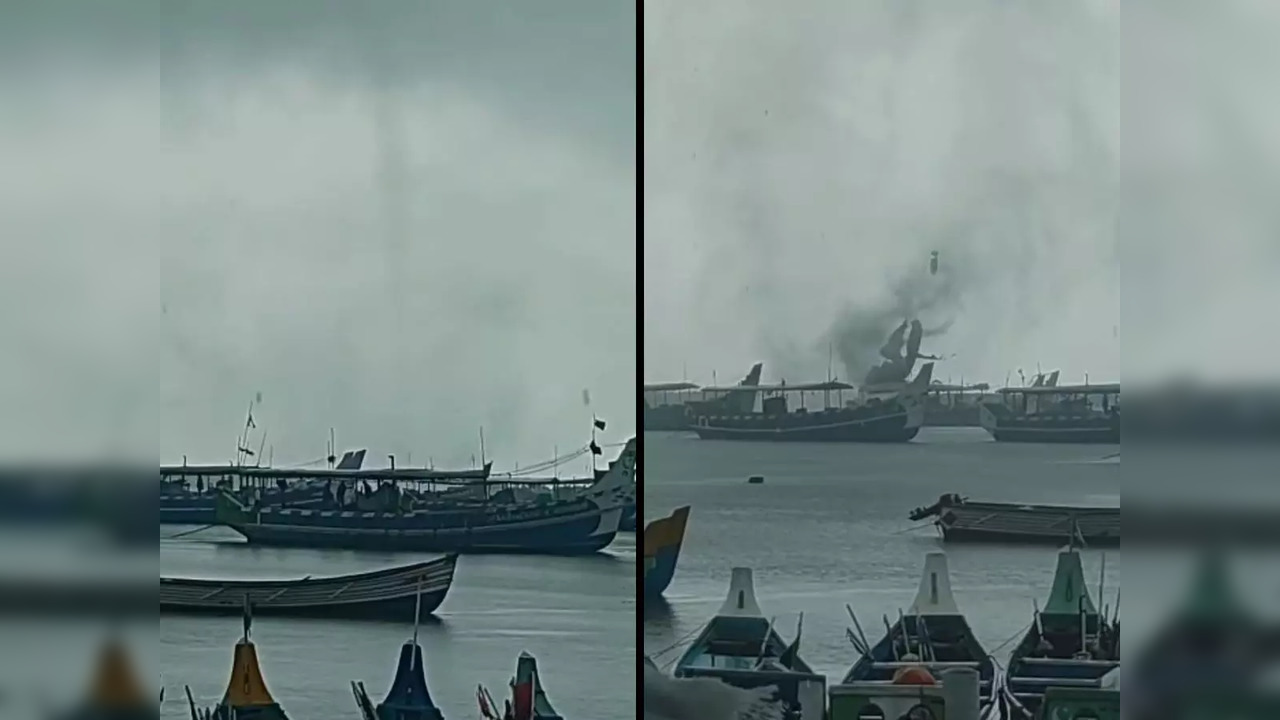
940 665
1056 681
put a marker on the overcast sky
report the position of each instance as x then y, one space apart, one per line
201 205
1070 169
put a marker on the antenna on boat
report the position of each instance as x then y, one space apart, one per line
482 459
262 446
417 611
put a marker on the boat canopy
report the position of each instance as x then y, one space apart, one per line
741 601
803 387
934 596
669 387
246 688
409 696
1098 389
1070 594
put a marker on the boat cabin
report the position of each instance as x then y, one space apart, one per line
1064 400
663 394
809 397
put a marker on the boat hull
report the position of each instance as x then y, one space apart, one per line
1029 524
1005 426
826 427
391 594
662 541
579 534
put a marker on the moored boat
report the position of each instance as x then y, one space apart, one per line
246 697
932 634
662 540
962 520
585 523
740 648
1055 414
1069 643
528 700
895 418
189 493
381 594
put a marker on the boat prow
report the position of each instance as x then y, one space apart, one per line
934 596
662 541
115 691
246 696
528 699
741 600
408 698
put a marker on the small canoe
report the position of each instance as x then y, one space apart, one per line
392 593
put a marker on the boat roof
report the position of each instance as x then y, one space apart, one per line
741 600
670 387
1097 388
1069 591
802 387
424 474
934 596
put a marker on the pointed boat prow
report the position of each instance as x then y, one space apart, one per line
1070 594
934 596
115 690
741 601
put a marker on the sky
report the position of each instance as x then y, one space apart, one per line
1071 167
404 223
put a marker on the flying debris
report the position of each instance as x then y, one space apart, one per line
933 263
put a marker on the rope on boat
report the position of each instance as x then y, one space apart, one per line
1010 639
189 532
676 645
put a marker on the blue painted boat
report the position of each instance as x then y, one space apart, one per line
408 698
932 634
740 648
662 540
1069 644
585 523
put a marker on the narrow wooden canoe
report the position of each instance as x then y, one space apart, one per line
390 594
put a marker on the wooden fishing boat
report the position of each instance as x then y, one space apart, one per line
246 697
1069 644
740 648
408 698
381 594
662 540
897 418
189 493
528 699
962 520
1055 414
932 634
586 523
115 691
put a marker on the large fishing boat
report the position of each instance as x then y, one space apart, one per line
895 418
670 407
740 647
389 521
932 634
962 520
528 699
189 493
392 592
1055 414
1070 644
662 540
